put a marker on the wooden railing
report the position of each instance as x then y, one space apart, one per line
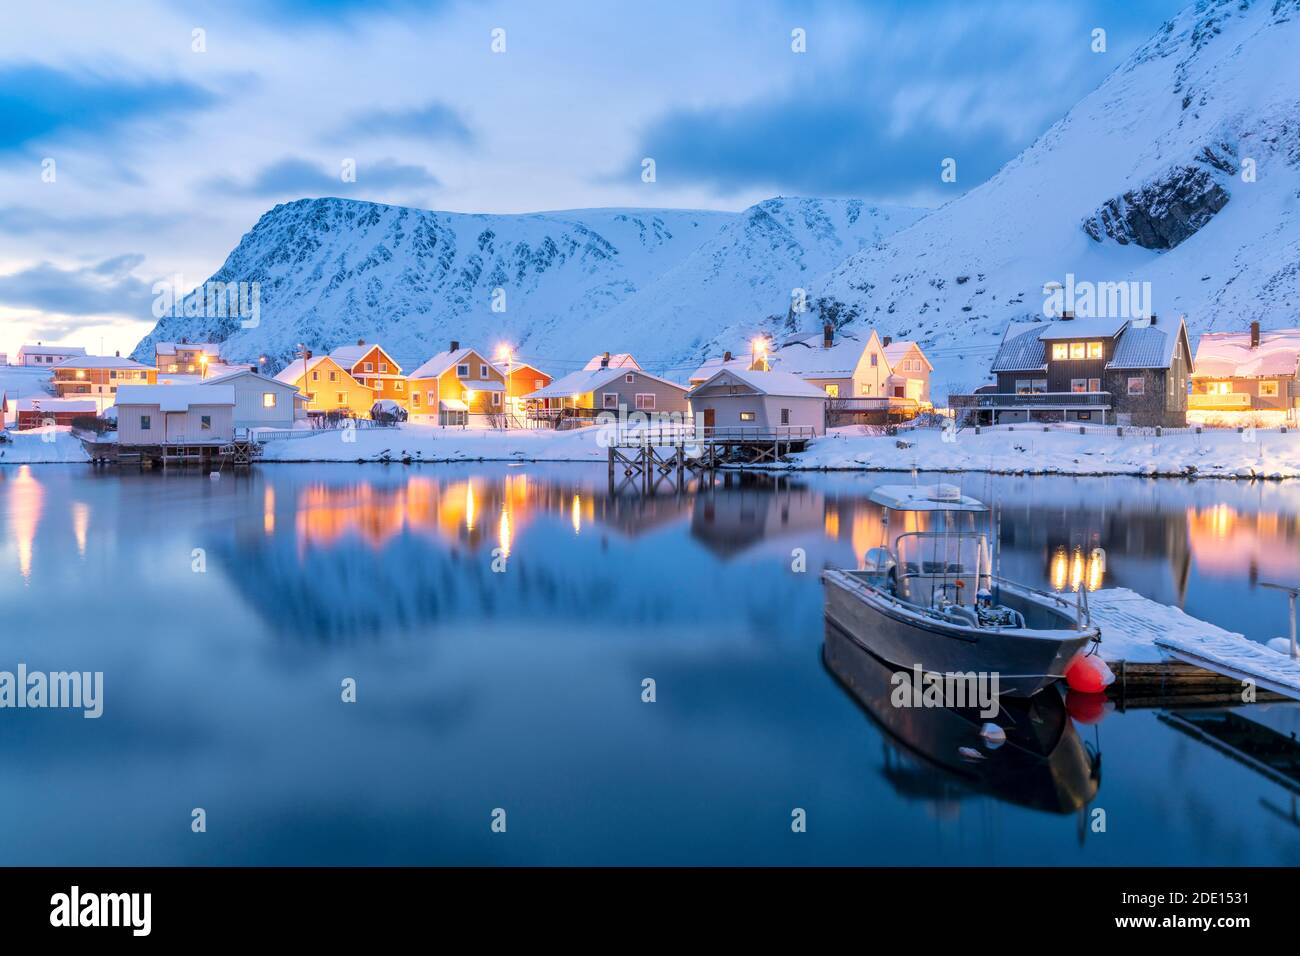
1032 400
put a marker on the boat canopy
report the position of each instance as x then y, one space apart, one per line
925 498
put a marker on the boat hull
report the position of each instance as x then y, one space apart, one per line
1024 660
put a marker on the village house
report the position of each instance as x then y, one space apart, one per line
182 357
455 378
99 376
521 380
261 402
1247 371
327 386
762 402
373 367
47 355
1106 371
608 383
39 412
153 415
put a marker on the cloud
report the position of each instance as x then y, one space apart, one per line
27 220
104 288
434 122
294 176
40 103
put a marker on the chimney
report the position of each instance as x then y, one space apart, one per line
1067 316
361 341
1154 318
604 360
828 335
726 356
455 346
1254 334
886 340
117 354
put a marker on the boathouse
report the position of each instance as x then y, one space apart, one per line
743 400
261 402
162 415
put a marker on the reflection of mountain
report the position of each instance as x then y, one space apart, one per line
1042 765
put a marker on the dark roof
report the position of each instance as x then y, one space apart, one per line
1021 351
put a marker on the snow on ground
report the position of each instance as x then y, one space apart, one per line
17 381
41 445
422 442
1028 449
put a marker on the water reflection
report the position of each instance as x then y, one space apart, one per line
937 753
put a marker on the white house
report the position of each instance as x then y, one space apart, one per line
175 414
47 355
261 402
764 401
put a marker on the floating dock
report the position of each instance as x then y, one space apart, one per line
1157 651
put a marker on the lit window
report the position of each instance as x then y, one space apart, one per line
1077 350
397 385
1136 386
1094 350
1078 384
1060 351
746 416
1268 389
415 399
1094 385
832 391
268 399
538 383
866 388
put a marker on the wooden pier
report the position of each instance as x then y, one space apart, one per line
239 454
651 456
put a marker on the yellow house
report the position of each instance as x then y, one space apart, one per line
457 376
328 386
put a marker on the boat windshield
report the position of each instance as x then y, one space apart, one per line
936 568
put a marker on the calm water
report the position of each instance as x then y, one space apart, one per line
521 689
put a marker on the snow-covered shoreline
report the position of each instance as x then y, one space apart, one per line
1018 450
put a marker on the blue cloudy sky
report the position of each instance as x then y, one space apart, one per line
164 155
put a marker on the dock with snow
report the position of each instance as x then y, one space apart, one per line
1157 650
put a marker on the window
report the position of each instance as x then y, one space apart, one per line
1094 350
334 376
342 398
1268 389
645 400
866 388
785 416
482 371
832 391
145 423
311 397
610 399
1094 385
1031 386
1085 416
112 373
462 371
383 368
315 376
369 367
1060 351
268 399
874 357
746 416
415 399
205 422
496 398
397 385
1218 388
538 383
1078 384
1077 350
629 378
172 367
1136 386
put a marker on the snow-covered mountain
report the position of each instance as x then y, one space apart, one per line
1182 169
559 286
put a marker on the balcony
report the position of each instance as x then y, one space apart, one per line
1053 401
1232 401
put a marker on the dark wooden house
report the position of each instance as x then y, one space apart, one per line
1105 371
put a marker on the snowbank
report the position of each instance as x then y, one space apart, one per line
436 443
41 445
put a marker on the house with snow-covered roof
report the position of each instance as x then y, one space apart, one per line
1247 371
327 386
1099 370
373 367
740 399
185 357
456 383
608 387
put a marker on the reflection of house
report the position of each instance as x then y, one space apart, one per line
1247 371
1097 370
609 383
374 368
38 412
458 376
762 401
328 386
261 402
183 356
750 509
175 414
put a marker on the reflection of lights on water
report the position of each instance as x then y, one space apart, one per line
503 532
80 522
1069 569
575 515
25 514
268 510
832 523
469 506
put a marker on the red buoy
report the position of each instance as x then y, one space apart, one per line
1089 674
